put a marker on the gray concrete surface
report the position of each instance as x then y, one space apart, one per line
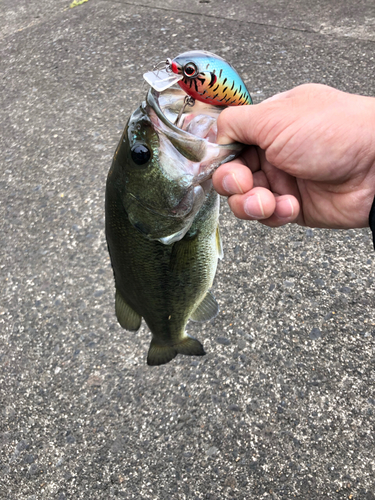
283 405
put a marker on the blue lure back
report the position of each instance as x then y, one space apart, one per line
209 78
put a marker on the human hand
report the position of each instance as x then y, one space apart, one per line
311 159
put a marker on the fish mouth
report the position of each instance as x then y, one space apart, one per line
197 144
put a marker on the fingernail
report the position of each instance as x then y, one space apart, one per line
284 208
230 184
253 207
223 139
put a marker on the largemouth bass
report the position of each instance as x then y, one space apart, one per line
162 221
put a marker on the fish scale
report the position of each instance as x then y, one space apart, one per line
216 81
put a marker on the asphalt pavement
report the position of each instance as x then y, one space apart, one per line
283 404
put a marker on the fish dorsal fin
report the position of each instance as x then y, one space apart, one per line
126 316
206 310
219 244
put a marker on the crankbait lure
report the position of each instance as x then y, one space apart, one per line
204 77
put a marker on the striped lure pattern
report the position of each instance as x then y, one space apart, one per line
209 78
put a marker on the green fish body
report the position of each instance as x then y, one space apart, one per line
162 227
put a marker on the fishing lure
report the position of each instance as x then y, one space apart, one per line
203 76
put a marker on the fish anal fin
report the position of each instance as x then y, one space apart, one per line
162 354
126 316
219 244
206 310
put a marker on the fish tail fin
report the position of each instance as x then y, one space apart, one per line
162 354
190 346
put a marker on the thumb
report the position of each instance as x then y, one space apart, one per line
238 124
246 124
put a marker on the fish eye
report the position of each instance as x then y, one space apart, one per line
190 70
140 154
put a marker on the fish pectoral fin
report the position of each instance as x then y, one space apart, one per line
162 354
183 254
219 244
206 310
126 316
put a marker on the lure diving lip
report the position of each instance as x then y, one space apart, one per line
161 79
203 76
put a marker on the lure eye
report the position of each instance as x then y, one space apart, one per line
140 154
190 70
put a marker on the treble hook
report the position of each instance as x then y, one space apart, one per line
188 101
166 65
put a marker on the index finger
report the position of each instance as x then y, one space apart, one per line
233 178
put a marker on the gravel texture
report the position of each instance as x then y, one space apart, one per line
283 404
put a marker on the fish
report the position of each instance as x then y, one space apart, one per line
161 221
203 76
